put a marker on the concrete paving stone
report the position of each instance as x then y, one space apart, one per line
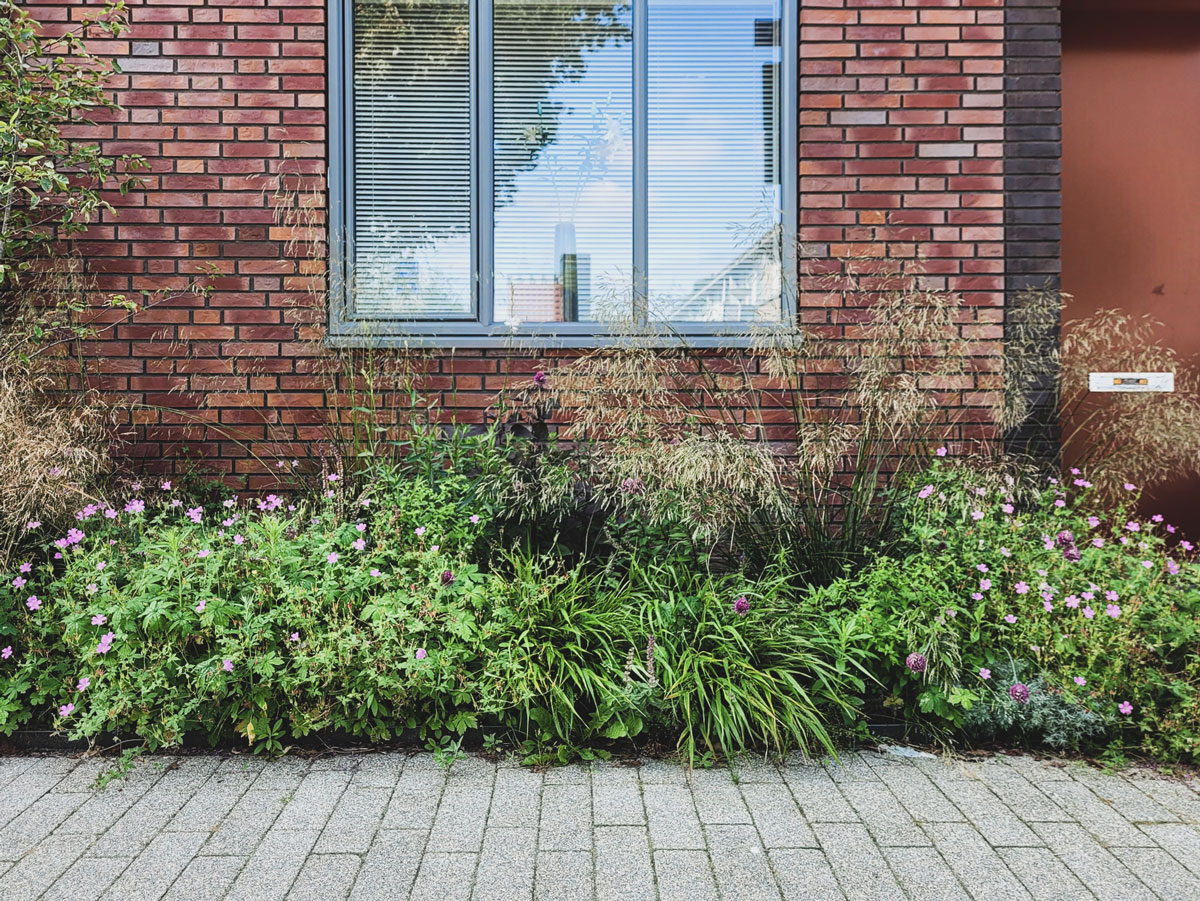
1160 872
777 816
624 866
241 831
325 877
445 877
83 776
617 797
818 795
516 798
105 807
272 868
283 775
336 763
313 801
11 767
1100 819
187 774
1038 770
804 874
849 767
354 822
860 869
922 799
756 768
23 791
53 764
472 768
978 867
566 823
672 818
1028 801
378 771
718 801
461 817
941 769
684 875
87 879
662 772
740 863
1102 874
1181 841
1124 797
242 766
1044 876
159 865
923 874
999 825
209 805
1174 796
205 879
563 876
889 822
140 823
506 864
573 774
415 798
40 867
390 866
36 822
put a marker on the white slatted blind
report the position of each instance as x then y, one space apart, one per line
714 201
412 160
563 183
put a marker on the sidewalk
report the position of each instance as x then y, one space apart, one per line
391 826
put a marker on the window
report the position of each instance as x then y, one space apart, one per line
554 168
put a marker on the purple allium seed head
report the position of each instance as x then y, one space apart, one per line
1065 538
915 662
1019 693
633 486
447 577
741 606
1072 554
539 378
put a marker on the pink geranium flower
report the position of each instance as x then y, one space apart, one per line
1021 588
1125 707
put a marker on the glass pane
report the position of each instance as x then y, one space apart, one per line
412 160
563 186
713 182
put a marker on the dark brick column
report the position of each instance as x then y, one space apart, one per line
1033 180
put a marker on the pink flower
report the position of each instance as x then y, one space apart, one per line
33 602
1007 508
1125 707
1172 567
26 567
105 644
1097 542
135 506
203 553
332 557
1047 606
92 588
6 653
110 513
1111 595
166 486
420 654
295 636
99 619
360 527
66 709
1080 681
1133 526
1005 552
1129 486
360 544
83 684
203 603
977 515
419 531
33 524
941 451
1186 545
1060 503
1089 612
1072 601
100 566
19 583
474 519
1157 517
239 539
1113 610
1010 619
375 574
1093 521
985 673
1147 564
976 596
982 567
227 665
985 584
1021 588
333 477
925 492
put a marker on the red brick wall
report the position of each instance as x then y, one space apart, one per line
901 156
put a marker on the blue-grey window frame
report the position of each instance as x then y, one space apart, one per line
344 329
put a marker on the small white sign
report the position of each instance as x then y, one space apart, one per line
1131 381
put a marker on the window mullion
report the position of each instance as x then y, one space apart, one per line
640 176
482 178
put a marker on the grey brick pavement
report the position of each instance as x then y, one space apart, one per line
387 826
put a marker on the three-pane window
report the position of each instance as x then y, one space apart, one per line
558 168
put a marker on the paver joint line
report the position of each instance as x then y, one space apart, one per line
388 825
